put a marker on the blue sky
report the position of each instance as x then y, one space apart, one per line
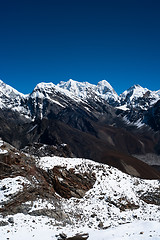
55 40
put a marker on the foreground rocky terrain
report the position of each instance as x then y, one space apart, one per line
67 196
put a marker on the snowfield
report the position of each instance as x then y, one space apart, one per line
115 208
39 228
10 187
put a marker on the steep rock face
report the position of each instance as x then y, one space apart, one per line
152 116
13 127
69 184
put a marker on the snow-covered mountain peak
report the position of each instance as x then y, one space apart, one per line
133 92
104 83
8 91
69 83
82 90
104 87
10 98
135 86
71 91
139 97
42 90
158 92
85 90
138 88
44 86
73 86
137 91
50 91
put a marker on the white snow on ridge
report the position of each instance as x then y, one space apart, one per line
74 92
158 92
9 91
44 90
123 107
50 162
104 87
84 90
44 85
10 98
77 91
135 92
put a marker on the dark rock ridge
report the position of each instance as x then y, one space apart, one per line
152 116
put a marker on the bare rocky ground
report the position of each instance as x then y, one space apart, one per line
151 159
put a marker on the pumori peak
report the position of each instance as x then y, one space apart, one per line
104 87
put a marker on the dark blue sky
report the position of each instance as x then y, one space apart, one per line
54 40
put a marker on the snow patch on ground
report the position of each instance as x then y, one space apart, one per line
10 187
39 228
2 151
50 162
123 107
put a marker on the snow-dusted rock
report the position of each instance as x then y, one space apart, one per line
139 97
10 98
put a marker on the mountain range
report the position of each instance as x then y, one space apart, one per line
79 119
